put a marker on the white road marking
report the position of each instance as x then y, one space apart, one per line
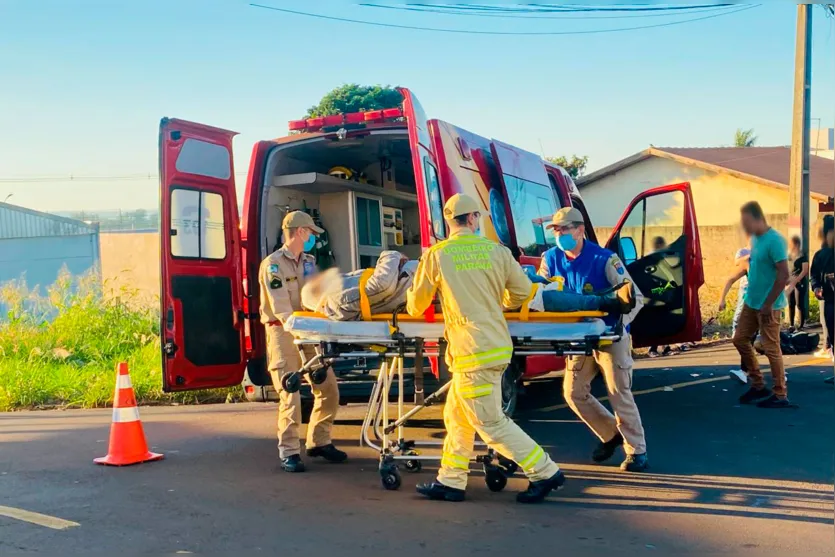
36 518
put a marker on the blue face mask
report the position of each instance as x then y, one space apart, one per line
310 243
566 242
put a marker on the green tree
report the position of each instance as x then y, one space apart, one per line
356 98
574 166
745 138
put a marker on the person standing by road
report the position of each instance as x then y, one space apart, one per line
740 277
768 275
586 267
823 283
281 278
797 291
476 277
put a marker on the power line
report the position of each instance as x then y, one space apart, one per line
506 33
486 11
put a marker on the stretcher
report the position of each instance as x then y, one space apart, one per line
393 337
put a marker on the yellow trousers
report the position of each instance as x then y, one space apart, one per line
474 405
283 357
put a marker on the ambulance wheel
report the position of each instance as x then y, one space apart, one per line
413 466
319 376
292 382
508 466
495 480
390 476
510 390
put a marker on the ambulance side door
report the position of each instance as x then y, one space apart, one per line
657 238
201 298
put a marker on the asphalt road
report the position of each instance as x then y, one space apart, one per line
724 478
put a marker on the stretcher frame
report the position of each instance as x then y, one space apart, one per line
389 432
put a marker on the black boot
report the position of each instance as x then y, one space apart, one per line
538 491
635 463
292 463
328 452
437 491
606 450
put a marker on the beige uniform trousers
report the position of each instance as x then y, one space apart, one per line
473 405
615 362
283 356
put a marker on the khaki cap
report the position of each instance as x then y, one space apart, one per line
460 204
566 215
300 219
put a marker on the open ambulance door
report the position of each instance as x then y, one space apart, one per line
201 297
658 240
430 199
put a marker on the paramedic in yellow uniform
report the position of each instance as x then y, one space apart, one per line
476 277
584 267
281 277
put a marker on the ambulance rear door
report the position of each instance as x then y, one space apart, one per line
202 332
427 183
669 277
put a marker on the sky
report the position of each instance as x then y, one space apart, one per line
84 83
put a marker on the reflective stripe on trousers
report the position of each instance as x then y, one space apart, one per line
473 405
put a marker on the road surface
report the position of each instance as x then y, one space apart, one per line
724 478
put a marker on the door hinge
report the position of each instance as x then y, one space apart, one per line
169 348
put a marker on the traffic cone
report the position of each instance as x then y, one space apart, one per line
127 439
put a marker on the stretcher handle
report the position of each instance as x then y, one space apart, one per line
525 310
365 305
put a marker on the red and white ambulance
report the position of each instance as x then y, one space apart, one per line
402 168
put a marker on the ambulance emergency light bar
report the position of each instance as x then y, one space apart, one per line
352 118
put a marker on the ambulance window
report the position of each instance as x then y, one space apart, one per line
204 159
197 224
436 203
533 207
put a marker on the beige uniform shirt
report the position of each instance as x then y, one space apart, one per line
281 277
475 277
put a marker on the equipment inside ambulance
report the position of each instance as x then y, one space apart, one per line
409 166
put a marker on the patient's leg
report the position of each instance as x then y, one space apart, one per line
621 301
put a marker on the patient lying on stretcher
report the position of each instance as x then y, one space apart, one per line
337 295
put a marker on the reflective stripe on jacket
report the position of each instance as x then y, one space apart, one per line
476 277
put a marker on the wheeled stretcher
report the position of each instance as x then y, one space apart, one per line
393 337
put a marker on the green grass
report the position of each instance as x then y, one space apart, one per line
61 348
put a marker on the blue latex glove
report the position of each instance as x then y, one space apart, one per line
534 277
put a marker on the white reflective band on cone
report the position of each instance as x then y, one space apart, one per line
122 415
124 382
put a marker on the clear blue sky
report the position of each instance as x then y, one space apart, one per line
84 83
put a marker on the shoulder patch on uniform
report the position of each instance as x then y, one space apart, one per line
275 283
309 268
618 266
273 268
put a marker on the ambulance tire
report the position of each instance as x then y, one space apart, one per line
510 389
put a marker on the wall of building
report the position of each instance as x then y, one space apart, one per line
717 197
130 264
40 259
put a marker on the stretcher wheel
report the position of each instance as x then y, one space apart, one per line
292 382
319 376
390 476
495 479
413 466
508 466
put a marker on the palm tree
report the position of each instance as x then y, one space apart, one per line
744 138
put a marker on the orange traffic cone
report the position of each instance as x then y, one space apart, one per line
127 439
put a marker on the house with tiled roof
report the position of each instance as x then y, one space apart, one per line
722 180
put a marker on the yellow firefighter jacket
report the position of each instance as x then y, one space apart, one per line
476 278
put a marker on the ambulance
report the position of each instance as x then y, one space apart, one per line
377 180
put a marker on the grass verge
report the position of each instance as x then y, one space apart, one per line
60 348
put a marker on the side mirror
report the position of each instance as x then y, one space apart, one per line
628 250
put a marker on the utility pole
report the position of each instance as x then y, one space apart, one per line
799 183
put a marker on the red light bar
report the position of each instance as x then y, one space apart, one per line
334 120
297 125
392 113
315 123
373 115
355 118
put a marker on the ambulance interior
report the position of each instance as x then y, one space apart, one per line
362 216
